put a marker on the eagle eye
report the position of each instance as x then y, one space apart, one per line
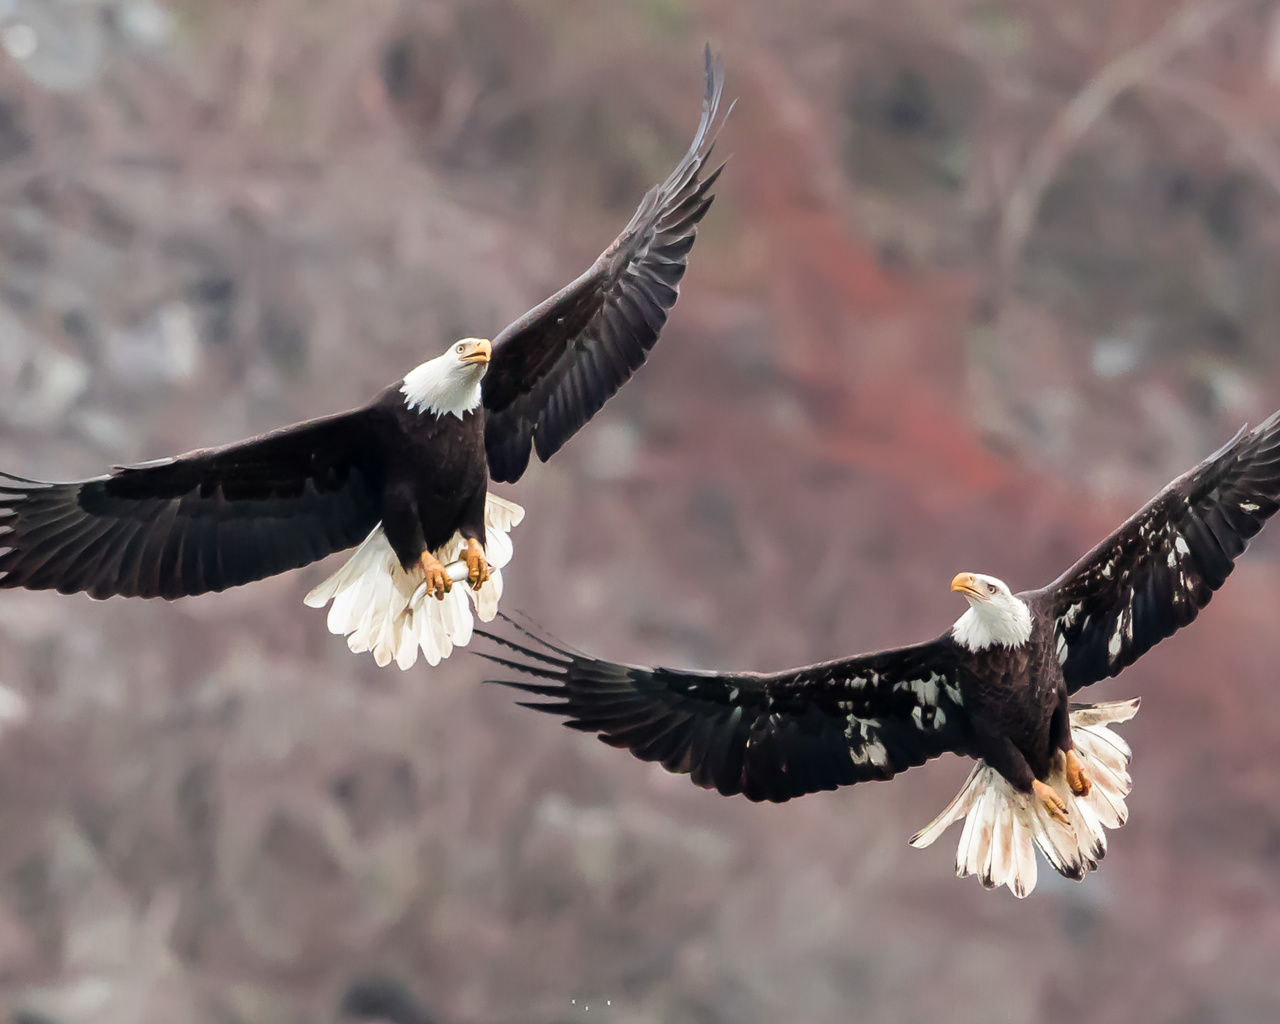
991 588
460 348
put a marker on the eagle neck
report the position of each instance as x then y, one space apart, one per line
1002 623
442 386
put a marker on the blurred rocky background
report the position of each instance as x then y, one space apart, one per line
982 277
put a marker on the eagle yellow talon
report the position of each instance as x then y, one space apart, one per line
1076 778
433 573
477 567
1054 804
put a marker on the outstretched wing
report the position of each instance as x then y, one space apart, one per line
769 737
554 368
1154 574
208 520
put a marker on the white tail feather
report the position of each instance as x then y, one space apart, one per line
1003 827
383 609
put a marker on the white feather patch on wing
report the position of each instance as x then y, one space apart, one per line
1003 827
381 608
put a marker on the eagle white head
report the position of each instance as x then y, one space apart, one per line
449 383
994 616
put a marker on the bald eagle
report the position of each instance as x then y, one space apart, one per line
995 687
405 477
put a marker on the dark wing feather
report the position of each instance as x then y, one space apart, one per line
1154 574
769 737
554 368
203 521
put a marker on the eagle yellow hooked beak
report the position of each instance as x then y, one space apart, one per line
965 583
479 351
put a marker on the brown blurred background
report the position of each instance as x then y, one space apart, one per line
981 278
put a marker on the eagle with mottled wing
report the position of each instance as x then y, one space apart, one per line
1154 574
994 687
766 736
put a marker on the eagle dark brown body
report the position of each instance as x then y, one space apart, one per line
1016 700
422 510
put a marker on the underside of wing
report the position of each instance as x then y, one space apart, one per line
1154 574
768 737
555 367
204 521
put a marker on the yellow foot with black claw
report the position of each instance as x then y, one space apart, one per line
1076 778
1053 803
434 576
477 567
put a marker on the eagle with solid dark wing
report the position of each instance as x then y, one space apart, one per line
994 687
405 477
559 363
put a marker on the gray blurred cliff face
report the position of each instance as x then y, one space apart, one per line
219 218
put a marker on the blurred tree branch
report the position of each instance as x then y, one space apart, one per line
1134 67
1216 106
